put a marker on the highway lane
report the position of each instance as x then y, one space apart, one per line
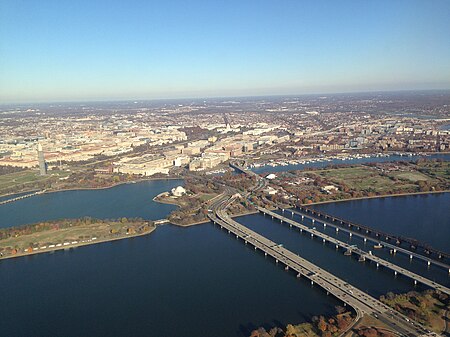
352 296
358 251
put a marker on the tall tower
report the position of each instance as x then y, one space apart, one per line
41 159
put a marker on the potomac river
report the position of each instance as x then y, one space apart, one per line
195 281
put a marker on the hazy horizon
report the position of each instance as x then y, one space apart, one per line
109 50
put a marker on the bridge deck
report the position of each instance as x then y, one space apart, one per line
375 240
359 252
354 297
379 233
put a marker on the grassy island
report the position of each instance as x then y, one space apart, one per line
67 233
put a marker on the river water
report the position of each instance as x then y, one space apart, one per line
195 281
321 164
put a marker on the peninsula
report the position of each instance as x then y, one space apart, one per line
67 233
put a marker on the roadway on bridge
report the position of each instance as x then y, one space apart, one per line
354 297
386 244
358 251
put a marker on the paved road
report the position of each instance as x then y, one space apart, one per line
386 244
365 255
352 296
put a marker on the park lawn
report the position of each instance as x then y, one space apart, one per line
411 176
99 230
207 196
21 177
358 178
28 177
436 169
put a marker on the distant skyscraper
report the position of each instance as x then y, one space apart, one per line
41 159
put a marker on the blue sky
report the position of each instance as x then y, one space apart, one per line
65 50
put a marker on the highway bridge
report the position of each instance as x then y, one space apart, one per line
21 197
351 249
362 303
432 252
394 248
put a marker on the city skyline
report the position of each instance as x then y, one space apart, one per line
111 51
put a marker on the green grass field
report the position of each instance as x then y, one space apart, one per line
28 177
359 178
411 176
99 230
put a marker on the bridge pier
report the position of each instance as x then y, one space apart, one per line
324 225
312 283
276 260
395 273
337 229
265 254
410 257
313 221
350 234
378 265
299 275
428 263
323 240
415 282
365 240
290 225
286 268
303 217
312 235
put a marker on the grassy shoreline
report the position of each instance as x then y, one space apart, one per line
94 188
377 197
79 244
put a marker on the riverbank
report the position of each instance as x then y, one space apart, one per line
93 188
376 197
67 233
73 246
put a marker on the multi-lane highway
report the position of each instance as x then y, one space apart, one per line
362 303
